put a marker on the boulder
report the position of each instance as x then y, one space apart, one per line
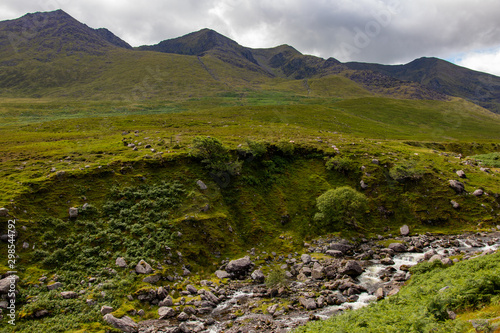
54 286
239 267
201 185
69 294
478 193
455 204
397 247
105 309
461 174
4 212
125 324
258 276
166 312
436 257
379 293
41 313
318 273
143 268
351 268
457 186
191 289
73 212
404 230
342 247
152 279
307 303
387 261
334 253
6 283
183 316
306 259
222 274
167 301
120 262
363 185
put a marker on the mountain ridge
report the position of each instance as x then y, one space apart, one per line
41 41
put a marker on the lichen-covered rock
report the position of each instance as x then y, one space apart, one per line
459 187
143 268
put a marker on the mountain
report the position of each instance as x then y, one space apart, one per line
444 77
52 54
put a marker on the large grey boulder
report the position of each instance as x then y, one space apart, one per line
143 268
404 230
4 212
222 274
126 324
105 309
120 262
239 267
73 212
5 283
166 312
397 247
308 303
351 268
459 187
342 247
258 276
306 259
168 301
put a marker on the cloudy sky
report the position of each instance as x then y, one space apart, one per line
466 32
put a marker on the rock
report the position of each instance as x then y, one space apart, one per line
478 193
239 267
306 259
272 309
394 291
5 283
167 301
436 257
183 316
105 309
455 204
375 161
222 274
126 324
4 212
73 212
152 279
54 286
379 293
342 247
69 294
41 313
387 261
487 170
307 303
211 297
363 185
352 268
120 262
258 276
201 185
143 268
192 290
397 247
404 230
318 273
461 174
334 253
447 261
166 312
457 186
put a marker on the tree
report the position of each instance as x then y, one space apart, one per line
343 205
214 155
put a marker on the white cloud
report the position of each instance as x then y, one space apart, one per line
486 61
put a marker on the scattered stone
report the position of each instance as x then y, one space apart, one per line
447 261
487 170
222 274
352 268
167 301
105 309
73 212
201 185
192 290
375 161
461 174
41 313
4 212
436 257
5 283
69 294
239 267
306 259
379 293
404 230
183 316
334 253
455 204
54 286
363 185
457 186
307 303
143 268
478 193
258 276
387 261
152 279
397 247
166 312
126 324
120 262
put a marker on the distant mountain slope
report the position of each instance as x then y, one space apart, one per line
445 77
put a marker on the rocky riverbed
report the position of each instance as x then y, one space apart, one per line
333 275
